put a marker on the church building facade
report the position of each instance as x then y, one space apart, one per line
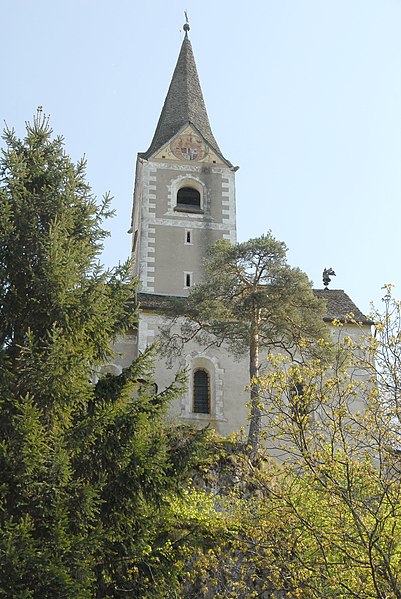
184 201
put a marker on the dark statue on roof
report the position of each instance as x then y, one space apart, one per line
327 273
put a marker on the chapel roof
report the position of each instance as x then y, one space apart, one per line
184 104
339 305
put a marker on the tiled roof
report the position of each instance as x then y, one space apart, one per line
339 305
153 301
184 104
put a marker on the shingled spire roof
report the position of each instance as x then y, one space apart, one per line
184 103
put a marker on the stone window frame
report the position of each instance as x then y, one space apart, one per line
201 361
187 181
188 239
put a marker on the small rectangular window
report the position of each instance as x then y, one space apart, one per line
188 237
187 279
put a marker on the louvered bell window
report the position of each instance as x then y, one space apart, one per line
188 197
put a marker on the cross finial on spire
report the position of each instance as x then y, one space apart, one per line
186 25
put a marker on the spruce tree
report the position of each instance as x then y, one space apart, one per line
86 466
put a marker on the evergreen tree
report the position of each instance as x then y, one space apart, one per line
251 300
88 472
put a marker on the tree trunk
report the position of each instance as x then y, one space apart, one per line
255 425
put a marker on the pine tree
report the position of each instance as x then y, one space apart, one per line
251 300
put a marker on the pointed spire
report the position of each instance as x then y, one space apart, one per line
184 102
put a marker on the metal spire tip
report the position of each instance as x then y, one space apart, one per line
186 25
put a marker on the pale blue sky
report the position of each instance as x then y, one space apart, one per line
303 95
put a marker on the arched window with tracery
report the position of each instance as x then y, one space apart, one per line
201 392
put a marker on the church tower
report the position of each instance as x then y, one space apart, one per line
184 201
184 196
